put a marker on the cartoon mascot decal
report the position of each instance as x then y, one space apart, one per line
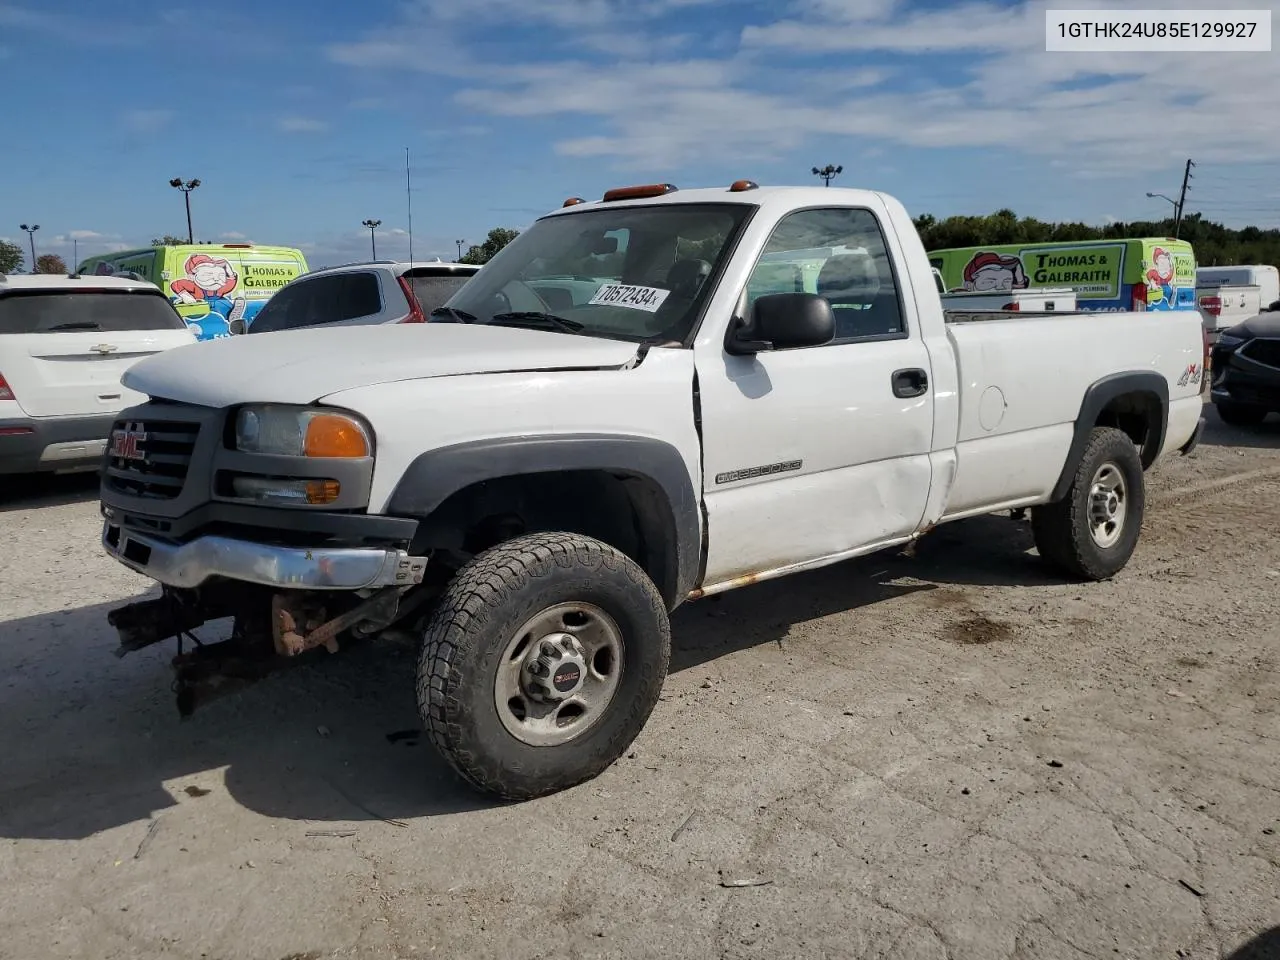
994 271
1160 280
210 280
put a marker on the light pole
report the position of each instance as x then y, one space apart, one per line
186 187
459 243
827 173
1169 200
373 242
31 238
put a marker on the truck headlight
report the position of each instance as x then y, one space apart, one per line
301 432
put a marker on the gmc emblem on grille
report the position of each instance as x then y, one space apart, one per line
124 444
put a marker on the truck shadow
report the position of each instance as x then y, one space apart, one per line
93 743
983 551
1265 946
1265 436
28 491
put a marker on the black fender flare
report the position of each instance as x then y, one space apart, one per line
436 475
1096 397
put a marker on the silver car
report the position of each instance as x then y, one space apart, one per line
383 291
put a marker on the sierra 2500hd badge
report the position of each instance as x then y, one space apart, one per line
751 473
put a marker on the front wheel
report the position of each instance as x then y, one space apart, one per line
1239 414
542 663
1091 533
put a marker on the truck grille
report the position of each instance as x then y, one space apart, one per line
1263 351
150 459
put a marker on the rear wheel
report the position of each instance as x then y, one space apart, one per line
1091 533
1240 414
541 664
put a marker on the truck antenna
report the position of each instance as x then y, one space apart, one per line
408 190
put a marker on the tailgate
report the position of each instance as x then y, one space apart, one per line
63 352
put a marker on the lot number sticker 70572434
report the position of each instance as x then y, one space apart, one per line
628 295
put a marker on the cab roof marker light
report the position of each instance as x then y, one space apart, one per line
640 192
573 201
740 186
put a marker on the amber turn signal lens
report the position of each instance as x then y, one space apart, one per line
330 435
323 491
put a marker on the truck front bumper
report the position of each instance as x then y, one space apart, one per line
190 564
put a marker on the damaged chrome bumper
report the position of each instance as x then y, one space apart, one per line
317 568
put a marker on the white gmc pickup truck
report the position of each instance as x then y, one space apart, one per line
640 401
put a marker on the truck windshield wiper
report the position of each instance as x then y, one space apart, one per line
536 320
458 316
78 325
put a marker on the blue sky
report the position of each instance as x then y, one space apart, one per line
295 116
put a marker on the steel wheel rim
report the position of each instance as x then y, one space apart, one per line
1108 505
581 635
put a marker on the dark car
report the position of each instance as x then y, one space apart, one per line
1246 370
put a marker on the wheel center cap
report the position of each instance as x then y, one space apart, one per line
555 669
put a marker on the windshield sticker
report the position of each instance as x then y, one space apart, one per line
626 295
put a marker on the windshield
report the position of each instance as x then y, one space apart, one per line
626 273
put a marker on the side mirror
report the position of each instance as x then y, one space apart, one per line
779 321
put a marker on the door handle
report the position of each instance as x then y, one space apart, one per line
910 383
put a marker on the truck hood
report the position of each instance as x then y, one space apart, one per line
301 366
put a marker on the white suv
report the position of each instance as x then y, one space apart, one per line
65 341
384 291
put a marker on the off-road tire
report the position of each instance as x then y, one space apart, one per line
1240 414
1061 529
488 600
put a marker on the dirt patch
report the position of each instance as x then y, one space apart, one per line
978 630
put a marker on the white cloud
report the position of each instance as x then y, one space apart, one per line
72 28
428 37
301 125
393 244
147 121
972 75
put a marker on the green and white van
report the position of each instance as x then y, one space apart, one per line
217 288
1147 273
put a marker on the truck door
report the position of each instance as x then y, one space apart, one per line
819 451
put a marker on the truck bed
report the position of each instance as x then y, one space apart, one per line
1022 378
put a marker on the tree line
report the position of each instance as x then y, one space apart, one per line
13 260
1214 244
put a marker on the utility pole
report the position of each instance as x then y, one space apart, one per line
459 243
186 187
1182 199
828 173
373 242
31 238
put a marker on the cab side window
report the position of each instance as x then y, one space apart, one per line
840 254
